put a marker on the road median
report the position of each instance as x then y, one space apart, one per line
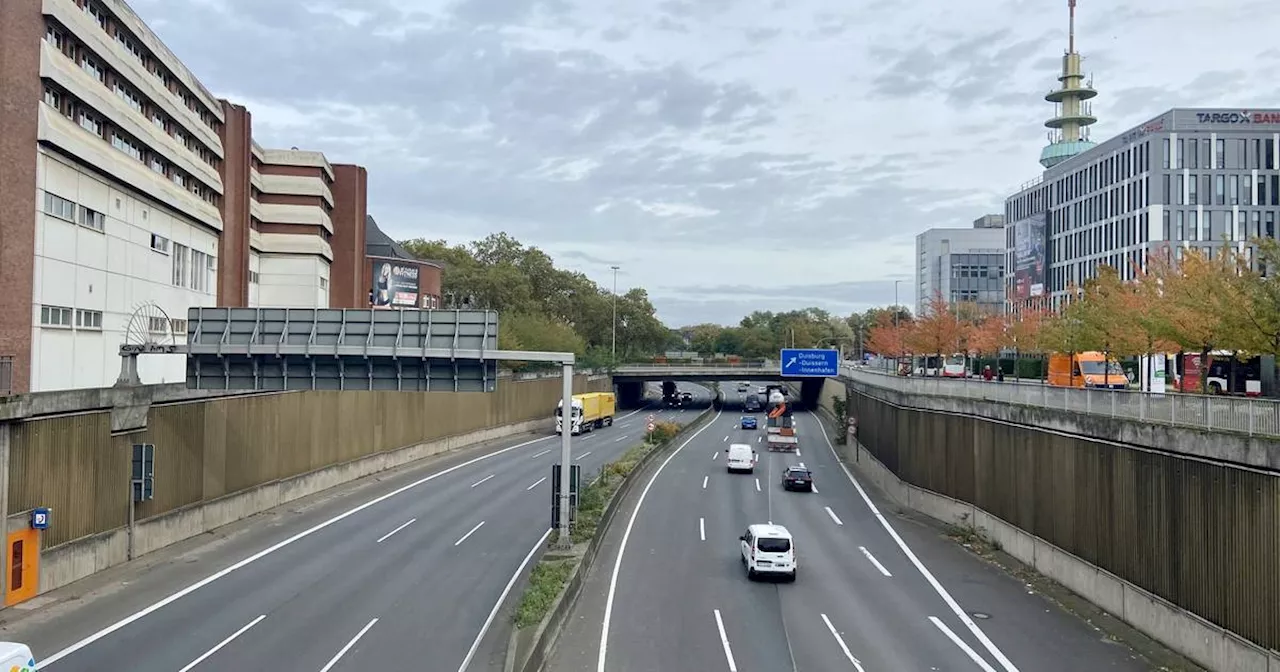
555 582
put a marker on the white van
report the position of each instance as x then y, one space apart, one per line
741 457
14 656
768 549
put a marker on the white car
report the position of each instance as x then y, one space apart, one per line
762 390
768 549
740 457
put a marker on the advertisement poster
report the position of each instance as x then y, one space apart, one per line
395 285
1029 264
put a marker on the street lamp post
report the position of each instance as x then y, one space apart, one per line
613 347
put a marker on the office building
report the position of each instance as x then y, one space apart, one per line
962 265
126 183
1188 178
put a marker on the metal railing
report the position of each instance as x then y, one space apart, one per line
1255 417
754 365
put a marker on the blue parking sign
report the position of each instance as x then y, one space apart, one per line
40 518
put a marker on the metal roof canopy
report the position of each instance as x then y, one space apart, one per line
348 349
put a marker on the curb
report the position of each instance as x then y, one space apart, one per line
547 632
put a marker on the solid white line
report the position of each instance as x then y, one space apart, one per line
704 482
223 643
815 488
702 529
334 661
388 535
873 560
265 552
757 485
583 455
473 531
493 613
482 480
973 655
626 535
924 571
536 483
546 451
724 641
620 438
843 647
833 515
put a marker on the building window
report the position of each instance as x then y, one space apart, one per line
157 325
128 97
178 179
91 66
157 166
89 123
53 98
199 271
180 261
55 37
59 207
324 282
55 316
1164 157
1220 147
253 277
178 326
92 219
89 319
159 243
121 143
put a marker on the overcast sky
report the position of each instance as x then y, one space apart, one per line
730 155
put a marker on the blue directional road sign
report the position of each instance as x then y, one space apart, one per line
805 363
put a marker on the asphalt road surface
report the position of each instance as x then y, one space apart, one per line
403 572
873 593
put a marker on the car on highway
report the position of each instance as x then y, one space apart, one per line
797 478
768 549
762 390
743 387
749 422
740 457
686 398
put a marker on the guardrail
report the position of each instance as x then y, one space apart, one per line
1255 417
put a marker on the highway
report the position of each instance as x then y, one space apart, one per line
403 572
874 592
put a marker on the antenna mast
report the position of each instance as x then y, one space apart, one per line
1071 31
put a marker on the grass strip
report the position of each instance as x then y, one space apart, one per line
546 581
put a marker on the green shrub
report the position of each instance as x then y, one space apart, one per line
545 583
663 431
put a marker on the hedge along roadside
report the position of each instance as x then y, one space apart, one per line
563 574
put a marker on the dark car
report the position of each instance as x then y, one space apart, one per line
797 478
749 422
686 397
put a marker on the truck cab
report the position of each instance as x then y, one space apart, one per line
15 657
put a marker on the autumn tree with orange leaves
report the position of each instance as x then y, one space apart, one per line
938 331
888 337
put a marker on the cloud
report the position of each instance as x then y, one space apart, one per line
788 150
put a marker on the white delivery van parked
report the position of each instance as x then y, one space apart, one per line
741 457
14 656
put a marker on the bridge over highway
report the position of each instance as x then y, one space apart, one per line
630 379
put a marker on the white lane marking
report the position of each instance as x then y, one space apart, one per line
973 655
757 485
536 483
702 528
833 515
583 455
493 613
759 439
482 480
843 647
724 641
545 451
924 571
620 438
343 651
873 560
704 482
797 452
473 531
715 455
814 487
146 611
626 536
726 440
388 535
221 644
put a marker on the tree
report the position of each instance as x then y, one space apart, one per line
888 338
1106 308
1260 311
989 335
938 332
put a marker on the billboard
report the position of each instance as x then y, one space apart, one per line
395 284
1029 263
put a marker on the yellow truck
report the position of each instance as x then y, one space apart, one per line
592 410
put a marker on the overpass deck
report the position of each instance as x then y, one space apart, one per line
765 370
1255 417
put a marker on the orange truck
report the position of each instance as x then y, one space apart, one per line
1086 369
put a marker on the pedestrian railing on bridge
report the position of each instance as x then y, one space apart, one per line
1255 417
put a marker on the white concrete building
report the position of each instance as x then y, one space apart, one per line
963 265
